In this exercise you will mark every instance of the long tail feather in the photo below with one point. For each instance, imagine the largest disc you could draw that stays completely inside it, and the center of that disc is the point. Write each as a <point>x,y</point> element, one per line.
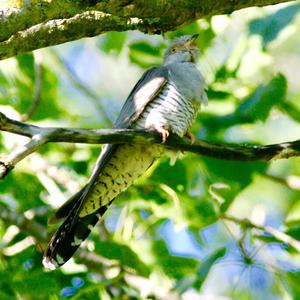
<point>65,209</point>
<point>69,236</point>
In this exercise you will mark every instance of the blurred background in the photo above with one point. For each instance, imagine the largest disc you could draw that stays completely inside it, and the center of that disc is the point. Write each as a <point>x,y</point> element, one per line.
<point>164,238</point>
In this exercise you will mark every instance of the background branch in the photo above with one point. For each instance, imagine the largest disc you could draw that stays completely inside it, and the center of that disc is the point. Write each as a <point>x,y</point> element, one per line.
<point>82,87</point>
<point>279,235</point>
<point>45,23</point>
<point>38,87</point>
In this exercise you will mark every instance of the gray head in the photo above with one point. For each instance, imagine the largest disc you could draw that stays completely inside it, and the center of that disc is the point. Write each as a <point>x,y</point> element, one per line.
<point>182,49</point>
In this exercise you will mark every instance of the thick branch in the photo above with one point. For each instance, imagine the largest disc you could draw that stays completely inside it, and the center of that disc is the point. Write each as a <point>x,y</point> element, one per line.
<point>41,135</point>
<point>45,23</point>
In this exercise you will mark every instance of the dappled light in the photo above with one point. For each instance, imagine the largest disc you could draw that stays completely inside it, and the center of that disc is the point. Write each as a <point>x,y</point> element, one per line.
<point>218,220</point>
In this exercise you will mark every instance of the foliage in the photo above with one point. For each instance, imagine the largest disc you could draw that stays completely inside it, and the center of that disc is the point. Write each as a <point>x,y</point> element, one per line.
<point>166,237</point>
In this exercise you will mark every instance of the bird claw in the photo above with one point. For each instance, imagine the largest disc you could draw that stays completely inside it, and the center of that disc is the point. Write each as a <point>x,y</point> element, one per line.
<point>164,134</point>
<point>191,137</point>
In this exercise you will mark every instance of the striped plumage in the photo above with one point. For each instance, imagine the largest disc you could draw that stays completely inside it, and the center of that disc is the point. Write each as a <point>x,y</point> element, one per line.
<point>167,99</point>
<point>169,110</point>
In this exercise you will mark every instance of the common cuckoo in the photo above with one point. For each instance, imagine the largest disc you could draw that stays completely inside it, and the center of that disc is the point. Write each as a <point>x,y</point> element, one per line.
<point>166,99</point>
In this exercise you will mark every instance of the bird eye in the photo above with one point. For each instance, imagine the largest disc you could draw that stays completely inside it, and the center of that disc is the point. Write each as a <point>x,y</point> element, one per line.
<point>173,50</point>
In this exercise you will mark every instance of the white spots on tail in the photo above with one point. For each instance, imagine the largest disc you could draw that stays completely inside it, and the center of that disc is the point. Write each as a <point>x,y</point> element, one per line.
<point>60,260</point>
<point>76,242</point>
<point>51,265</point>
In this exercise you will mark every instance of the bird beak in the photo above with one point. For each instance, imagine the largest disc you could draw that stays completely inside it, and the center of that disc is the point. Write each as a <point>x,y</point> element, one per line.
<point>192,42</point>
<point>194,36</point>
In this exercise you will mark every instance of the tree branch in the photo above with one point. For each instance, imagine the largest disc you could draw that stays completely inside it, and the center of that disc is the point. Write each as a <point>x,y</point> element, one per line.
<point>45,23</point>
<point>279,235</point>
<point>41,135</point>
<point>38,87</point>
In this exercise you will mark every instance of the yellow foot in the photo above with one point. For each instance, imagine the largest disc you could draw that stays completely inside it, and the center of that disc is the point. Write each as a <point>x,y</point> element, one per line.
<point>164,134</point>
<point>191,137</point>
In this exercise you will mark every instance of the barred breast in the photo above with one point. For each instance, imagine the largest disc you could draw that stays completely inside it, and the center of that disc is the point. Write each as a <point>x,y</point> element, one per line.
<point>169,110</point>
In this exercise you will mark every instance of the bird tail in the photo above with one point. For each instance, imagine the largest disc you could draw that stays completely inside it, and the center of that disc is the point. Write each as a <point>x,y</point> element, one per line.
<point>73,231</point>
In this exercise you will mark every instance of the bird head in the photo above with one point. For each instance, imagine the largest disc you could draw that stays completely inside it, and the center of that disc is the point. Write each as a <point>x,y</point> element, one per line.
<point>182,49</point>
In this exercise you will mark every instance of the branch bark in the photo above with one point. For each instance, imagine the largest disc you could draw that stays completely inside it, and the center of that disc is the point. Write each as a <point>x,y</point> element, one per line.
<point>41,135</point>
<point>45,23</point>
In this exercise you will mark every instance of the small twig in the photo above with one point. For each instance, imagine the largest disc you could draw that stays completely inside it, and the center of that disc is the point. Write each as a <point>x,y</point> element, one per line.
<point>279,235</point>
<point>38,83</point>
<point>291,182</point>
<point>241,244</point>
<point>15,156</point>
<point>104,231</point>
<point>67,69</point>
<point>17,127</point>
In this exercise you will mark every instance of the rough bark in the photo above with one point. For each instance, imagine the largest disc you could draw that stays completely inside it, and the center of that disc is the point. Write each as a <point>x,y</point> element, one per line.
<point>51,22</point>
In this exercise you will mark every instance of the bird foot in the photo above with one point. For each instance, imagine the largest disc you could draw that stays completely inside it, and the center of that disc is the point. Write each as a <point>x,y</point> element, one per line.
<point>191,137</point>
<point>164,134</point>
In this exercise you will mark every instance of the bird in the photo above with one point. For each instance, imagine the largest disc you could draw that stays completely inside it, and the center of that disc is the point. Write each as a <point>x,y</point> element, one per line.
<point>166,99</point>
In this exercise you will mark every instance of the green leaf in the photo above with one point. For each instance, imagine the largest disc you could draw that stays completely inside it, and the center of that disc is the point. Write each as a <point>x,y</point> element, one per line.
<point>122,253</point>
<point>235,174</point>
<point>293,216</point>
<point>291,109</point>
<point>197,211</point>
<point>269,27</point>
<point>255,107</point>
<point>113,42</point>
<point>189,29</point>
<point>259,104</point>
<point>294,232</point>
<point>223,73</point>
<point>26,64</point>
<point>293,279</point>
<point>206,266</point>
<point>32,283</point>
<point>213,94</point>
<point>173,176</point>
<point>25,188</point>
<point>50,105</point>
<point>144,54</point>
<point>37,285</point>
<point>174,266</point>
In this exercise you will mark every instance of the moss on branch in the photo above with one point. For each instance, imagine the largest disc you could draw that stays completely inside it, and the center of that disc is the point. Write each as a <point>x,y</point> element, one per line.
<point>50,22</point>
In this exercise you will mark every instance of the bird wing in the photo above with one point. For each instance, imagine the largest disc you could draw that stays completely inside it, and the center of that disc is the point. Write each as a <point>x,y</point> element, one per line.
<point>146,89</point>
